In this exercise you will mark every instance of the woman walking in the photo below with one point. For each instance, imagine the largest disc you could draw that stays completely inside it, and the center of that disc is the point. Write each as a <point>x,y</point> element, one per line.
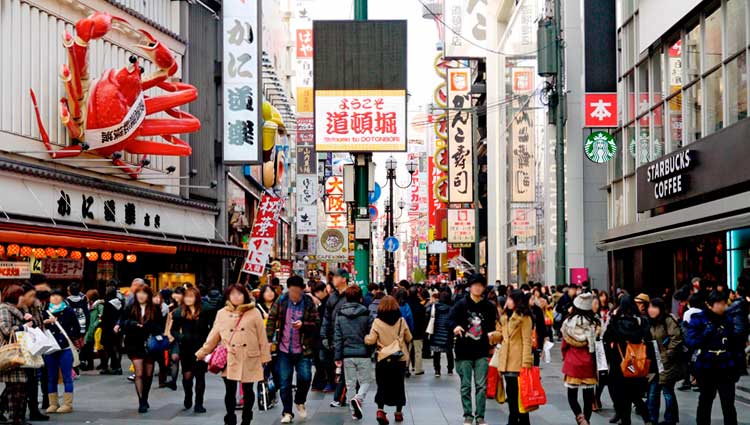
<point>12,320</point>
<point>62,321</point>
<point>111,314</point>
<point>143,320</point>
<point>390,334</point>
<point>441,336</point>
<point>515,335</point>
<point>239,327</point>
<point>580,330</point>
<point>666,332</point>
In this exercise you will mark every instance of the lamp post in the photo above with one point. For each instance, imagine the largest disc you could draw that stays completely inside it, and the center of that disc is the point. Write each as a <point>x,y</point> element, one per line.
<point>390,167</point>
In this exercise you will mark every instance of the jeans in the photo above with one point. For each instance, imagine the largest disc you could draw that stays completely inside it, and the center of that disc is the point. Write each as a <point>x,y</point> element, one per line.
<point>62,361</point>
<point>671,412</point>
<point>357,369</point>
<point>511,392</point>
<point>436,361</point>
<point>287,364</point>
<point>477,368</point>
<point>709,385</point>
<point>417,355</point>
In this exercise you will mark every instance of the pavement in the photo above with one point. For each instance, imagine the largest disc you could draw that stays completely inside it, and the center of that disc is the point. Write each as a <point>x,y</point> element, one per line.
<point>111,400</point>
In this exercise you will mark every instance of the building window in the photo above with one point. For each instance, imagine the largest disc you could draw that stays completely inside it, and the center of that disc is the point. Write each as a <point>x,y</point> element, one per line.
<point>692,53</point>
<point>618,157</point>
<point>713,40</point>
<point>737,89</point>
<point>714,102</point>
<point>693,128</point>
<point>674,111</point>
<point>631,149</point>
<point>736,26</point>
<point>657,145</point>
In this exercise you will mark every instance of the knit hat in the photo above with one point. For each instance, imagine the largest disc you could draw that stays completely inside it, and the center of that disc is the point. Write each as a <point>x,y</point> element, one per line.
<point>583,302</point>
<point>476,278</point>
<point>643,298</point>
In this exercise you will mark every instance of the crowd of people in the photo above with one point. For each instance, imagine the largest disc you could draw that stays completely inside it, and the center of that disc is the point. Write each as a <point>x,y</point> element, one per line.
<point>271,343</point>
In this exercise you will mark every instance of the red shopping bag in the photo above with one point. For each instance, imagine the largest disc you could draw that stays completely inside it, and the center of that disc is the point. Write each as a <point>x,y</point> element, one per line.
<point>492,377</point>
<point>530,388</point>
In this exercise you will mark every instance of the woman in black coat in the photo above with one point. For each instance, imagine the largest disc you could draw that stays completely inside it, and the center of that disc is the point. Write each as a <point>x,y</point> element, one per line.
<point>111,315</point>
<point>141,321</point>
<point>441,339</point>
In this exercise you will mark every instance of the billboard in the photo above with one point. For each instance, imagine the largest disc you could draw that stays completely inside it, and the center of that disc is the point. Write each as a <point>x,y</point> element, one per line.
<point>523,165</point>
<point>466,29</point>
<point>460,137</point>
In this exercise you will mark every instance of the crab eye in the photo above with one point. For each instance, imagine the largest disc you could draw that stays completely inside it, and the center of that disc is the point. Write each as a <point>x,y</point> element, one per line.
<point>132,59</point>
<point>141,70</point>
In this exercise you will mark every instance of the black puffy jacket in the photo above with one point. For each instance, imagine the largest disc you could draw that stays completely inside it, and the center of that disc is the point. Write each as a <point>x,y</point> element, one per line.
<point>442,336</point>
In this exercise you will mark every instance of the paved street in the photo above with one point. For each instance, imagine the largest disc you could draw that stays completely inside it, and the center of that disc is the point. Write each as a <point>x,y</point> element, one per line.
<point>431,401</point>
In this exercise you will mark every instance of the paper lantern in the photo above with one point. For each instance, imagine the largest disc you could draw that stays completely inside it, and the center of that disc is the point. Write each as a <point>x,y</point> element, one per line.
<point>13,249</point>
<point>119,256</point>
<point>51,252</point>
<point>25,251</point>
<point>131,258</point>
<point>61,252</point>
<point>75,255</point>
<point>2,250</point>
<point>92,255</point>
<point>39,253</point>
<point>106,256</point>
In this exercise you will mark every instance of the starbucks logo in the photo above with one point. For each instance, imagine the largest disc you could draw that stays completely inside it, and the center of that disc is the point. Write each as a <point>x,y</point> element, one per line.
<point>600,147</point>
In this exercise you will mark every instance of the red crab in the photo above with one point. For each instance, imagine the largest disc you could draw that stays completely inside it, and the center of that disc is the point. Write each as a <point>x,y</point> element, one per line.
<point>110,115</point>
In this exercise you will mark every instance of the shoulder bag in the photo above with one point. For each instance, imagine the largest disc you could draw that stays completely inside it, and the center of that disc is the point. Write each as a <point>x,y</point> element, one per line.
<point>431,324</point>
<point>73,349</point>
<point>393,350</point>
<point>11,354</point>
<point>218,361</point>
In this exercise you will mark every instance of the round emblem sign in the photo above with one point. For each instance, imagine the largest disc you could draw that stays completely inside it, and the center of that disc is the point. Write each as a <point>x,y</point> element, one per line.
<point>332,240</point>
<point>600,147</point>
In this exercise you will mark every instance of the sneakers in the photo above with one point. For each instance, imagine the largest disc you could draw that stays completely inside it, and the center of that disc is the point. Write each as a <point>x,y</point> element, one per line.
<point>131,378</point>
<point>399,416</point>
<point>468,420</point>
<point>301,412</point>
<point>382,418</point>
<point>287,418</point>
<point>329,388</point>
<point>336,403</point>
<point>481,421</point>
<point>437,374</point>
<point>356,408</point>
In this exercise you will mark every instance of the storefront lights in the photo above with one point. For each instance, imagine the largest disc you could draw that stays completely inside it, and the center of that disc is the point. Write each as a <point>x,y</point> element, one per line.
<point>92,255</point>
<point>132,258</point>
<point>2,250</point>
<point>13,249</point>
<point>119,256</point>
<point>25,251</point>
<point>106,256</point>
<point>75,255</point>
<point>50,252</point>
<point>39,253</point>
<point>61,252</point>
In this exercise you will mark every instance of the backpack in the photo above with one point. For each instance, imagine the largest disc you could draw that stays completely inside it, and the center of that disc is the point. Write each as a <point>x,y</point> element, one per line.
<point>80,313</point>
<point>635,362</point>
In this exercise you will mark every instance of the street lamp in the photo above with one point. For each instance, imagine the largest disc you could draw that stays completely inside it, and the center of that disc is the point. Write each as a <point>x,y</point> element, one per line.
<point>390,166</point>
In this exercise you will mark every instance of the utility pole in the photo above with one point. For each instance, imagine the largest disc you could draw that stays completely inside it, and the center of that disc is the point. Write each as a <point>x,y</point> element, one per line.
<point>560,263</point>
<point>361,185</point>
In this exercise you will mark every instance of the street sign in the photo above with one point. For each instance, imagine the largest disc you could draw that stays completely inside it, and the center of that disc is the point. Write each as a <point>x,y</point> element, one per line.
<point>373,212</point>
<point>391,244</point>
<point>600,147</point>
<point>374,194</point>
<point>601,110</point>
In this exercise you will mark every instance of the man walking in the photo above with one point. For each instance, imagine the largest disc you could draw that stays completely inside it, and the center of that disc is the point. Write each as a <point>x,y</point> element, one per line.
<point>333,305</point>
<point>294,318</point>
<point>472,319</point>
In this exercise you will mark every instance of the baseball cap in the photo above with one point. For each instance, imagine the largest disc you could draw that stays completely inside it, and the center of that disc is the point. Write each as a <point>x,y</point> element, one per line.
<point>342,273</point>
<point>643,298</point>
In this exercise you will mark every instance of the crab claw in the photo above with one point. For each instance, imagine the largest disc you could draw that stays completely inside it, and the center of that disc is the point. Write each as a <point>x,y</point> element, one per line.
<point>95,26</point>
<point>158,53</point>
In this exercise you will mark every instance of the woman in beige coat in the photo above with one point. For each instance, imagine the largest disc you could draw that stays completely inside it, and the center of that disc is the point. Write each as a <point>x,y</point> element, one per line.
<point>514,333</point>
<point>239,327</point>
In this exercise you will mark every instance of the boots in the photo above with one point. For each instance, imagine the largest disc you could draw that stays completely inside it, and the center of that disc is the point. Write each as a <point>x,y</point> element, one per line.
<point>67,404</point>
<point>199,401</point>
<point>581,420</point>
<point>187,384</point>
<point>53,407</point>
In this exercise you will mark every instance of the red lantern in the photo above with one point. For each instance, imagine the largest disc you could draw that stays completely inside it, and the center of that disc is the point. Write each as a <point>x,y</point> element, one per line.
<point>25,251</point>
<point>106,256</point>
<point>119,256</point>
<point>132,258</point>
<point>75,255</point>
<point>50,252</point>
<point>2,250</point>
<point>61,252</point>
<point>92,255</point>
<point>13,249</point>
<point>39,253</point>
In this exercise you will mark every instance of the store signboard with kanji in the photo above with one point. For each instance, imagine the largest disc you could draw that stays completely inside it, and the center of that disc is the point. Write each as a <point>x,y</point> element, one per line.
<point>58,268</point>
<point>600,110</point>
<point>522,155</point>
<point>460,137</point>
<point>461,225</point>
<point>263,235</point>
<point>304,43</point>
<point>466,34</point>
<point>15,270</point>
<point>240,81</point>
<point>360,87</point>
<point>307,211</point>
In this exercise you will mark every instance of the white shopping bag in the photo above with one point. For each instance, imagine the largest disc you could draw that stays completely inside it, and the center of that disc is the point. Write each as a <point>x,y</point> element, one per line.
<point>659,363</point>
<point>36,341</point>
<point>601,357</point>
<point>54,346</point>
<point>547,351</point>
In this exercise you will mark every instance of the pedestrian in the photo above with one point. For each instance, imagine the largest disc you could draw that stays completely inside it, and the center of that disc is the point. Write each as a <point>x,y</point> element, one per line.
<point>739,313</point>
<point>239,327</point>
<point>111,339</point>
<point>580,331</point>
<point>514,333</point>
<point>167,370</point>
<point>373,307</point>
<point>350,350</point>
<point>666,332</point>
<point>391,336</point>
<point>324,377</point>
<point>267,297</point>
<point>711,332</point>
<point>92,339</point>
<point>142,320</point>
<point>335,300</point>
<point>189,328</point>
<point>31,305</point>
<point>473,319</point>
<point>294,319</point>
<point>63,323</point>
<point>642,301</point>
<point>12,319</point>
<point>441,339</point>
<point>601,308</point>
<point>420,326</point>
<point>626,326</point>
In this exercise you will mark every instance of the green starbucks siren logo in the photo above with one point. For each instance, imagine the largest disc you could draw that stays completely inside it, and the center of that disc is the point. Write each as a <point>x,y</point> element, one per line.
<point>600,147</point>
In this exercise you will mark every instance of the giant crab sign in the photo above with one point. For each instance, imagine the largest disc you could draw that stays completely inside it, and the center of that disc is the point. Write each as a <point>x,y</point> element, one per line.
<point>111,114</point>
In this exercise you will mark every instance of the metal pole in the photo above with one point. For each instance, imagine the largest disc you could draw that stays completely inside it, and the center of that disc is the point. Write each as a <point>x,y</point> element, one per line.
<point>560,270</point>
<point>475,143</point>
<point>391,259</point>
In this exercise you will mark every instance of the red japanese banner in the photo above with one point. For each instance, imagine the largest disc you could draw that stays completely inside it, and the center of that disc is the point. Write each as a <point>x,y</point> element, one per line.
<point>436,176</point>
<point>304,43</point>
<point>263,235</point>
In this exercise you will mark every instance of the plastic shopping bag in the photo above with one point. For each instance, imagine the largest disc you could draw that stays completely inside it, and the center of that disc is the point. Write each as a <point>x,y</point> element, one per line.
<point>36,341</point>
<point>500,396</point>
<point>31,361</point>
<point>548,351</point>
<point>601,357</point>
<point>530,388</point>
<point>492,378</point>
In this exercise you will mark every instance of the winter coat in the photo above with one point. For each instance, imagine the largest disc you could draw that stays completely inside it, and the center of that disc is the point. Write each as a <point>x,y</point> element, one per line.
<point>668,337</point>
<point>738,313</point>
<point>248,350</point>
<point>514,334</point>
<point>578,352</point>
<point>310,323</point>
<point>621,330</point>
<point>478,320</point>
<point>111,315</point>
<point>80,306</point>
<point>190,334</point>
<point>137,336</point>
<point>407,315</point>
<point>330,312</point>
<point>352,325</point>
<point>418,316</point>
<point>382,335</point>
<point>68,320</point>
<point>442,336</point>
<point>714,337</point>
<point>95,317</point>
<point>11,320</point>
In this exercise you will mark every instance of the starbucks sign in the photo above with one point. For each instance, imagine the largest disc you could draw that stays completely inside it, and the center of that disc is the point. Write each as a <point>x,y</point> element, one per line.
<point>600,147</point>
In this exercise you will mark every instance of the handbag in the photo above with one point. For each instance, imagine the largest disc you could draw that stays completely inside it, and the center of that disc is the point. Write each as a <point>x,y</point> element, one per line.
<point>36,341</point>
<point>54,346</point>
<point>156,344</point>
<point>431,324</point>
<point>31,361</point>
<point>74,351</point>
<point>11,355</point>
<point>265,401</point>
<point>217,361</point>
<point>98,340</point>
<point>393,350</point>
<point>530,388</point>
<point>601,357</point>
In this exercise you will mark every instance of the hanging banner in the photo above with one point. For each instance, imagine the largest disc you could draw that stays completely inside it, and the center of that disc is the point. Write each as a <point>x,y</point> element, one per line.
<point>465,35</point>
<point>437,195</point>
<point>461,225</point>
<point>241,83</point>
<point>15,270</point>
<point>306,160</point>
<point>61,268</point>
<point>523,166</point>
<point>460,137</point>
<point>307,196</point>
<point>523,223</point>
<point>333,242</point>
<point>263,235</point>
<point>305,130</point>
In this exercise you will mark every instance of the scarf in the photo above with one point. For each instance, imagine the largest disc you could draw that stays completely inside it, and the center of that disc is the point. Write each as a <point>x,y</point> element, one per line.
<point>54,309</point>
<point>581,330</point>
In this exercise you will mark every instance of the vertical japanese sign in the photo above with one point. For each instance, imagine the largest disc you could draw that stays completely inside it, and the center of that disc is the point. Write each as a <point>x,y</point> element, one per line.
<point>523,165</point>
<point>304,57</point>
<point>241,82</point>
<point>307,211</point>
<point>460,137</point>
<point>305,131</point>
<point>437,197</point>
<point>335,207</point>
<point>263,235</point>
<point>461,225</point>
<point>466,36</point>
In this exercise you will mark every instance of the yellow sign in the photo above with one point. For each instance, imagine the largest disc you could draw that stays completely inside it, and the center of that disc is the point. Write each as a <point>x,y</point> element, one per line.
<point>304,99</point>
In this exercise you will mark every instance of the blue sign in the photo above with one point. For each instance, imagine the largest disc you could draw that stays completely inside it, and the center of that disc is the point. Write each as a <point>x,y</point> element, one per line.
<point>391,244</point>
<point>373,212</point>
<point>374,195</point>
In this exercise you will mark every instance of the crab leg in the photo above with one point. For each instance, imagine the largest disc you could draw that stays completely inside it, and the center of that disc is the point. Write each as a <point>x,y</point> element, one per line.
<point>68,152</point>
<point>125,167</point>
<point>73,126</point>
<point>178,147</point>
<point>179,97</point>
<point>161,126</point>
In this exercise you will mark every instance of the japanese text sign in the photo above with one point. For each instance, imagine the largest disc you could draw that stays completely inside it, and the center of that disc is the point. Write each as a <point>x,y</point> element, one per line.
<point>601,110</point>
<point>263,235</point>
<point>523,164</point>
<point>241,85</point>
<point>360,120</point>
<point>15,270</point>
<point>460,137</point>
<point>461,225</point>
<point>304,43</point>
<point>466,36</point>
<point>62,268</point>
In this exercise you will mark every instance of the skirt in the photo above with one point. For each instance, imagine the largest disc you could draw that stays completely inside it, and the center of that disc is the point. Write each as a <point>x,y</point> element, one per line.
<point>389,375</point>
